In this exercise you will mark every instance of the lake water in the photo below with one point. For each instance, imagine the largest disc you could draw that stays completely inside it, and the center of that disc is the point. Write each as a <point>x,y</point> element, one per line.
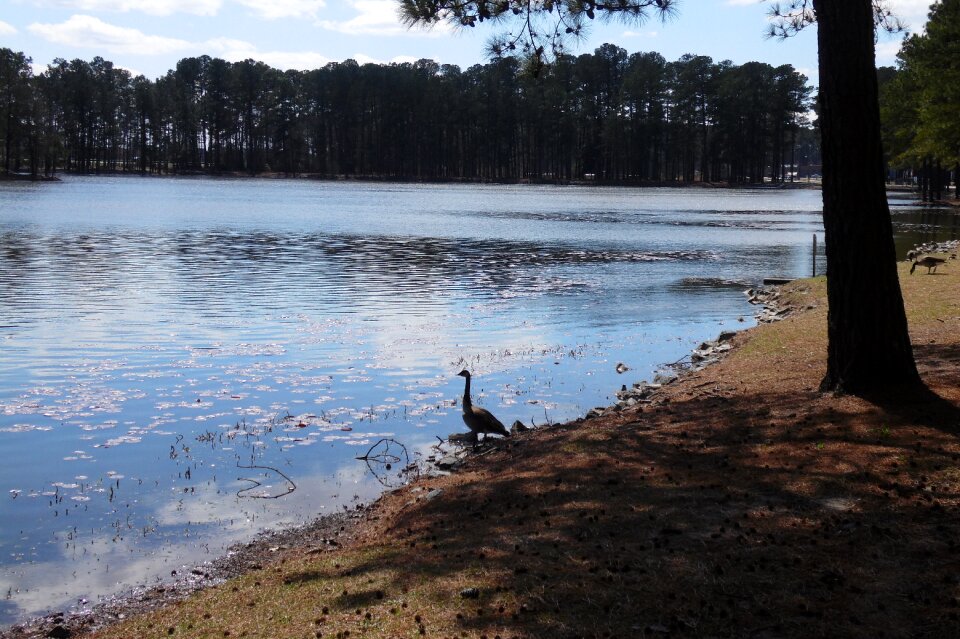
<point>168,345</point>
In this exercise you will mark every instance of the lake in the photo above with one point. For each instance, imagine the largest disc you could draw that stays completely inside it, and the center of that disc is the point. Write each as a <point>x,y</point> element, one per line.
<point>176,355</point>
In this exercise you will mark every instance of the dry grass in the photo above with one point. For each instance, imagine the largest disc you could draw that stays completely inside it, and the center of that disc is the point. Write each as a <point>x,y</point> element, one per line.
<point>743,503</point>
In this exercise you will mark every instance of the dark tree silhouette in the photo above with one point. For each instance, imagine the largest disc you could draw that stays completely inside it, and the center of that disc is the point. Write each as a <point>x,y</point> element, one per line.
<point>869,344</point>
<point>605,116</point>
<point>14,102</point>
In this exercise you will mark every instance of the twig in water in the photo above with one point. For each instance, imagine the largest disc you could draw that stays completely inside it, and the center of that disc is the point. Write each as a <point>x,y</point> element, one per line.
<point>240,493</point>
<point>681,359</point>
<point>381,463</point>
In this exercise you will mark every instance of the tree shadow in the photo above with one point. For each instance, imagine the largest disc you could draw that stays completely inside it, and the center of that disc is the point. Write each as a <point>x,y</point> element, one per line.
<point>763,515</point>
<point>920,403</point>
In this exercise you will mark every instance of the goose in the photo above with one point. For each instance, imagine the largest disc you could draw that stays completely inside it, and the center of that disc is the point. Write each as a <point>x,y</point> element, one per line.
<point>479,420</point>
<point>929,261</point>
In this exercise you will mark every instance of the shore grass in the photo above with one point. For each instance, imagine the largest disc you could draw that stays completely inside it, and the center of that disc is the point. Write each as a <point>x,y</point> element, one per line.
<point>741,503</point>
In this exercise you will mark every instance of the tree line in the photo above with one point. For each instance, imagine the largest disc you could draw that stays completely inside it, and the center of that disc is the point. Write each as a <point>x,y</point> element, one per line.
<point>920,103</point>
<point>607,115</point>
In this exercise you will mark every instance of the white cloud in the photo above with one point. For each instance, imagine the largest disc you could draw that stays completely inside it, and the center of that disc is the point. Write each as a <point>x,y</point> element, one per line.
<point>377,17</point>
<point>912,12</point>
<point>363,58</point>
<point>6,29</point>
<point>133,72</point>
<point>275,9</point>
<point>93,33</point>
<point>151,7</point>
<point>887,52</point>
<point>640,34</point>
<point>236,50</point>
<point>89,32</point>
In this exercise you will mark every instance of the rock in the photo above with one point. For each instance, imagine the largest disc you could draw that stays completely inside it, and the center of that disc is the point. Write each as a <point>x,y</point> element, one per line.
<point>726,336</point>
<point>622,368</point>
<point>462,438</point>
<point>470,593</point>
<point>518,427</point>
<point>595,412</point>
<point>59,632</point>
<point>433,494</point>
<point>449,461</point>
<point>665,378</point>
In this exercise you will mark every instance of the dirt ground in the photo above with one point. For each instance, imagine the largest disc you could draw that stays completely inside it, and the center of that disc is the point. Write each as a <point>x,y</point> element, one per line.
<point>739,502</point>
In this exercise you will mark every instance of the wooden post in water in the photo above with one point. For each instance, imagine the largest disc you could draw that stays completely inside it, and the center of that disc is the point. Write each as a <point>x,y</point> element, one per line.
<point>814,255</point>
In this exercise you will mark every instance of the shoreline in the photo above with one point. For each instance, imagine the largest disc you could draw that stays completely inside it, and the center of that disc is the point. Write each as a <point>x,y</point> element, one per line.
<point>322,177</point>
<point>740,502</point>
<point>334,530</point>
<point>847,462</point>
<point>327,532</point>
<point>799,184</point>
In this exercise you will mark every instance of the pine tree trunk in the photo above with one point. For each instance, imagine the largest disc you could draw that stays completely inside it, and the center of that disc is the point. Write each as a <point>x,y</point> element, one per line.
<point>868,344</point>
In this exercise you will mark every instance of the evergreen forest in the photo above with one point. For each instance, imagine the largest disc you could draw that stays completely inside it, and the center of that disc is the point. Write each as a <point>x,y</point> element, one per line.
<point>606,116</point>
<point>920,103</point>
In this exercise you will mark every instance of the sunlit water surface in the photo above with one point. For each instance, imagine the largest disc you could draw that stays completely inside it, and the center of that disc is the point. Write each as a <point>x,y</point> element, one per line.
<point>157,336</point>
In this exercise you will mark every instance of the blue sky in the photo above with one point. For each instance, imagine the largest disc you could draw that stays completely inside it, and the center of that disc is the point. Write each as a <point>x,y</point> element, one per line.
<point>149,36</point>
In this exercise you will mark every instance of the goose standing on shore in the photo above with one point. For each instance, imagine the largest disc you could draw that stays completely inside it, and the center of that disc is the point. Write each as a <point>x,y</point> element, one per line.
<point>930,262</point>
<point>479,420</point>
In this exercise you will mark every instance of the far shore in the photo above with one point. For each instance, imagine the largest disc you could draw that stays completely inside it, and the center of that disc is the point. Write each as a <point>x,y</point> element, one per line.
<point>799,183</point>
<point>802,183</point>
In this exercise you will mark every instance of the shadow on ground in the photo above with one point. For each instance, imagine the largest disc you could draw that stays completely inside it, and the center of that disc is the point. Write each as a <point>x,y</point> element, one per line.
<point>755,516</point>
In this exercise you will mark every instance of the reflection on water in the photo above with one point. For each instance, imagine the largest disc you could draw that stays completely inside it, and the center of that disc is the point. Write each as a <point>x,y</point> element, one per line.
<point>173,350</point>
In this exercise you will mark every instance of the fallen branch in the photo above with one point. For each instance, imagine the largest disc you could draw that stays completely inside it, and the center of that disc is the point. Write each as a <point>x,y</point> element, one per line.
<point>256,484</point>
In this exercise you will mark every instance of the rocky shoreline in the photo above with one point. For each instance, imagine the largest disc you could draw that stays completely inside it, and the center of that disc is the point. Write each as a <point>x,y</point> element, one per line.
<point>773,308</point>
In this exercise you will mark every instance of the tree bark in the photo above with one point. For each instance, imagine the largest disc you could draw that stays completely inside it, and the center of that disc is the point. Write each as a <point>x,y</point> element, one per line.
<point>869,346</point>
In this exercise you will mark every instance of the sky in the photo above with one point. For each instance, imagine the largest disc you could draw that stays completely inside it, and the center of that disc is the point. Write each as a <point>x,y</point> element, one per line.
<point>149,36</point>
